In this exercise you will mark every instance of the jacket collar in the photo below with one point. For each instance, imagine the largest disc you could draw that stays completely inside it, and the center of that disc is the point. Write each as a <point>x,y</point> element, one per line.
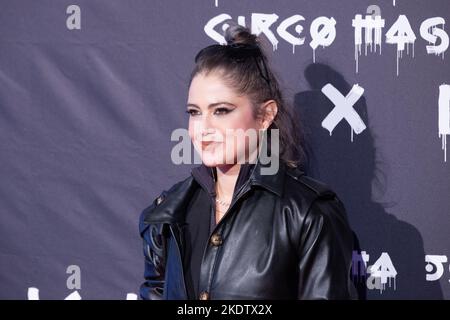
<point>206,177</point>
<point>175,200</point>
<point>272,182</point>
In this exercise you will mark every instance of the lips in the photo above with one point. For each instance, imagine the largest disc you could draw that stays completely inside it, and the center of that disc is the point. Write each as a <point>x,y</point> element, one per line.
<point>205,144</point>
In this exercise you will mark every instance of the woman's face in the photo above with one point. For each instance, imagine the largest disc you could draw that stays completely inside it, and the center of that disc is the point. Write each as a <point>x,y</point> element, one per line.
<point>216,113</point>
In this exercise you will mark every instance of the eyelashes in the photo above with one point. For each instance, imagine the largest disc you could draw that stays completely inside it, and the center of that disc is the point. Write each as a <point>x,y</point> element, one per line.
<point>192,112</point>
<point>218,111</point>
<point>222,111</point>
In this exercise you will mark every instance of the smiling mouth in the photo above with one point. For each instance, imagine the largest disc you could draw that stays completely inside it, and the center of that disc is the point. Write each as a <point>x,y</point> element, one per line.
<point>207,143</point>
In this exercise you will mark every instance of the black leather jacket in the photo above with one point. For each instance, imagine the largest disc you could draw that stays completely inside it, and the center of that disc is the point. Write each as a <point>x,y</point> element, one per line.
<point>285,236</point>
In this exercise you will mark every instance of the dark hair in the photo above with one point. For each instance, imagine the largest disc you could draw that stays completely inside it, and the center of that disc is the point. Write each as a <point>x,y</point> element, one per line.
<point>245,68</point>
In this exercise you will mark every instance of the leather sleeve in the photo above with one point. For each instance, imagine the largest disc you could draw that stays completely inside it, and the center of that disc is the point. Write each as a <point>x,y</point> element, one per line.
<point>154,249</point>
<point>325,252</point>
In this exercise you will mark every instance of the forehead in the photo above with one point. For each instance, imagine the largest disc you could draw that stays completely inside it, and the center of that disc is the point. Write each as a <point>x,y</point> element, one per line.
<point>211,87</point>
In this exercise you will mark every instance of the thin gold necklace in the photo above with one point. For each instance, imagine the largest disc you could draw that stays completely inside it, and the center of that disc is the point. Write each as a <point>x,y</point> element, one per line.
<point>221,202</point>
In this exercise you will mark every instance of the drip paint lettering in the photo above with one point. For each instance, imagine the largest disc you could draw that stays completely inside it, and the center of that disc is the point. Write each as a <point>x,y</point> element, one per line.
<point>382,272</point>
<point>444,116</point>
<point>322,29</point>
<point>322,32</point>
<point>435,263</point>
<point>400,34</point>
<point>343,109</point>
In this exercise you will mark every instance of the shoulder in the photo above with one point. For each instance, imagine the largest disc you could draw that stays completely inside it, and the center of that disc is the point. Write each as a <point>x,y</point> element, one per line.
<point>167,197</point>
<point>298,184</point>
<point>174,189</point>
<point>314,210</point>
<point>316,200</point>
<point>168,192</point>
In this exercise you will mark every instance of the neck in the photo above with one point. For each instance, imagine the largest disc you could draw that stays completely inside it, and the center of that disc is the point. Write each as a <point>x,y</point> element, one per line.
<point>226,180</point>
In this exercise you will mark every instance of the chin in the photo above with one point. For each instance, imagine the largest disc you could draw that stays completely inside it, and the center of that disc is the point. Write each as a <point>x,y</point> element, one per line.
<point>215,160</point>
<point>210,159</point>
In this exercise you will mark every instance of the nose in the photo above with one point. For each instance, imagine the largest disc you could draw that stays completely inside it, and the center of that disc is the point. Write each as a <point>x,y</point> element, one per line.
<point>206,131</point>
<point>203,127</point>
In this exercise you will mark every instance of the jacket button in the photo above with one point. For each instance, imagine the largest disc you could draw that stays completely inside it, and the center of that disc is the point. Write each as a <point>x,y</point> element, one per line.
<point>159,200</point>
<point>204,295</point>
<point>216,240</point>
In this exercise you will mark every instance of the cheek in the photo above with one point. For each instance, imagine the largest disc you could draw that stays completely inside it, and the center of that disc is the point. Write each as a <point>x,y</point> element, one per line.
<point>242,120</point>
<point>237,142</point>
<point>193,130</point>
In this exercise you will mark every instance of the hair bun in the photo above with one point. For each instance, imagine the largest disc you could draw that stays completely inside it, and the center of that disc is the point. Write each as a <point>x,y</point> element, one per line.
<point>236,33</point>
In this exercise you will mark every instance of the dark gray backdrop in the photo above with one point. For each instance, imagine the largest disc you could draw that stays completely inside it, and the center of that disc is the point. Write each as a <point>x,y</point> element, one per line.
<point>86,117</point>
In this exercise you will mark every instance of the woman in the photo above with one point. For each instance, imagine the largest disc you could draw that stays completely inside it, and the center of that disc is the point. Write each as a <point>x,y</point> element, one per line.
<point>231,231</point>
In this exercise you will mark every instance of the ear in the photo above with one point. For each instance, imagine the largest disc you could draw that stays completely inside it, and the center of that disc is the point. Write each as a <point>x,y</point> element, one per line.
<point>269,111</point>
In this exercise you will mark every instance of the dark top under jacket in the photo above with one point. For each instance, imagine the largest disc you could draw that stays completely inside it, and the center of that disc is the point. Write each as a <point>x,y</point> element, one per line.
<point>201,221</point>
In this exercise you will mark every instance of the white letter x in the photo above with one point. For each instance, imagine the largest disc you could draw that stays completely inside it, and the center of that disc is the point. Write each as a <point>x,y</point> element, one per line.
<point>343,108</point>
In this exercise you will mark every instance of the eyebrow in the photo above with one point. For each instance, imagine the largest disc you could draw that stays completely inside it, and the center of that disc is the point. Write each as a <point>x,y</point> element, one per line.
<point>212,105</point>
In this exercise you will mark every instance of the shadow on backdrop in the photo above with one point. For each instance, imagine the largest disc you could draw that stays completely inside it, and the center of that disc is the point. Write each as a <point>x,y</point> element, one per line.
<point>350,168</point>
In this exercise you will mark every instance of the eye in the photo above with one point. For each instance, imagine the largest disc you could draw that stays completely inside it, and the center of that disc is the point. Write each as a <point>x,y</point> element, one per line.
<point>222,111</point>
<point>192,112</point>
